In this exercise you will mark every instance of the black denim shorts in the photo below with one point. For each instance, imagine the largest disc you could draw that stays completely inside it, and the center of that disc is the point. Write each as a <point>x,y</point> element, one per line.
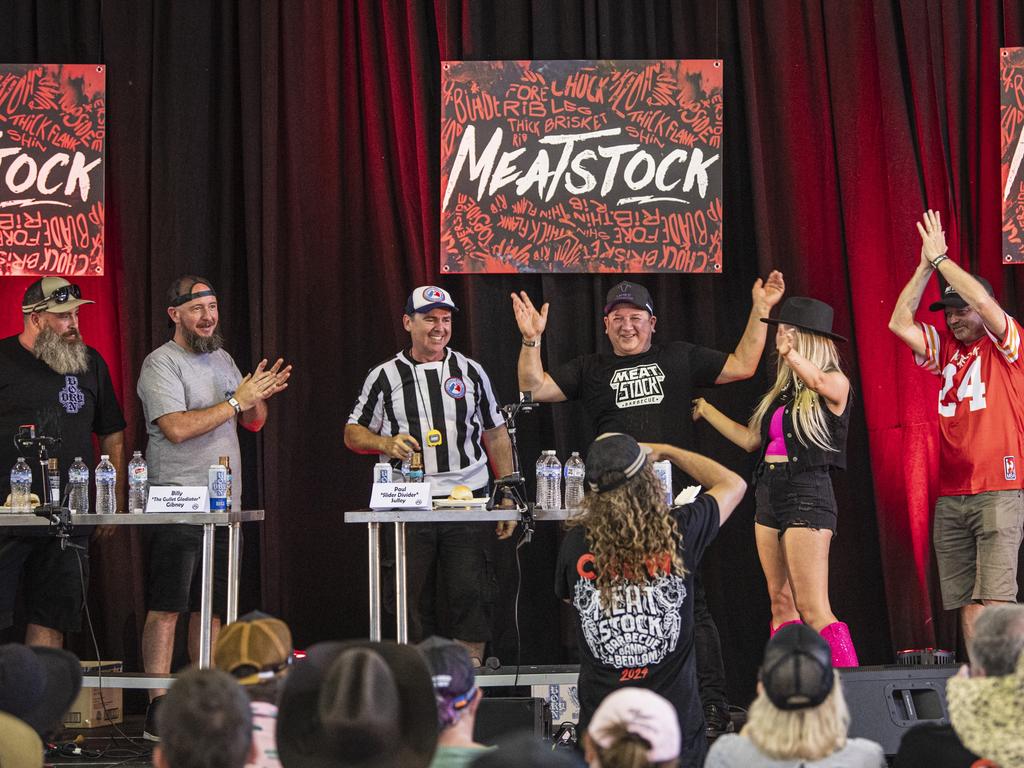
<point>174,582</point>
<point>788,499</point>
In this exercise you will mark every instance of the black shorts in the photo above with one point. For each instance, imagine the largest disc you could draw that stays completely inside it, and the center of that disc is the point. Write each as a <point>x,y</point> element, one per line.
<point>451,579</point>
<point>50,581</point>
<point>788,499</point>
<point>175,569</point>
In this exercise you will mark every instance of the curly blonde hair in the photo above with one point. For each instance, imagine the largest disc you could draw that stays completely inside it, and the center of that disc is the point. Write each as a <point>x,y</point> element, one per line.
<point>632,534</point>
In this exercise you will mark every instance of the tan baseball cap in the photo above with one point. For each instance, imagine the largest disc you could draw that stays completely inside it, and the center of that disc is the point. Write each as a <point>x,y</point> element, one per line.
<point>52,294</point>
<point>254,649</point>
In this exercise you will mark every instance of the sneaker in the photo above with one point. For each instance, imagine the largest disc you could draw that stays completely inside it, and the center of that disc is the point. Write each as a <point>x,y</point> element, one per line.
<point>150,731</point>
<point>717,720</point>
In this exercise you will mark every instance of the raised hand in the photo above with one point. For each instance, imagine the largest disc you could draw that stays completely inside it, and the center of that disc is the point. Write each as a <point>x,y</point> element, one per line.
<point>769,292</point>
<point>785,339</point>
<point>699,409</point>
<point>531,322</point>
<point>933,239</point>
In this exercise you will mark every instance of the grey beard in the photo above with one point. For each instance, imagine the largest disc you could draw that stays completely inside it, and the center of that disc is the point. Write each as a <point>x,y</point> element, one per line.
<point>62,355</point>
<point>202,345</point>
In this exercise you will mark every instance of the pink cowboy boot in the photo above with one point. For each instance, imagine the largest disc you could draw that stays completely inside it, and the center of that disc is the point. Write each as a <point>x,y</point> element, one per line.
<point>837,635</point>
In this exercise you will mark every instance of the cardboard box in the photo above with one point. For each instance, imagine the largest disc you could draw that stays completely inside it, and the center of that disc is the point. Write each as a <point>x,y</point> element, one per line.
<point>87,709</point>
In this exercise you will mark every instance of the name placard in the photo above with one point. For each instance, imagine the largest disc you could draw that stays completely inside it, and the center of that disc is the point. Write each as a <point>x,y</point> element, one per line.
<point>183,498</point>
<point>400,496</point>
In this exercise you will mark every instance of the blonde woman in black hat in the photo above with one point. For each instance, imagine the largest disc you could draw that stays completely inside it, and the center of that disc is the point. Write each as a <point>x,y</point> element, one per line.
<point>800,427</point>
<point>799,718</point>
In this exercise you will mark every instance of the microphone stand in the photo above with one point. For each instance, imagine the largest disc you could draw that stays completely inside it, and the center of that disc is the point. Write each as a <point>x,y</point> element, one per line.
<point>51,509</point>
<point>513,485</point>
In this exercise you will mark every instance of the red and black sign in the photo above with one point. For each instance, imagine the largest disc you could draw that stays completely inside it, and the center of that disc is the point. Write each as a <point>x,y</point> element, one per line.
<point>1011,139</point>
<point>52,131</point>
<point>581,166</point>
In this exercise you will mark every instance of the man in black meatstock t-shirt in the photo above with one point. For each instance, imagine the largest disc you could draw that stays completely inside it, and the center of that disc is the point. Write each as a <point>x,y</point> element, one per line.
<point>50,378</point>
<point>644,389</point>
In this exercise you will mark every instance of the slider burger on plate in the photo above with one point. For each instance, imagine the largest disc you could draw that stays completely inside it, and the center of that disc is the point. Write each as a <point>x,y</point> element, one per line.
<point>461,493</point>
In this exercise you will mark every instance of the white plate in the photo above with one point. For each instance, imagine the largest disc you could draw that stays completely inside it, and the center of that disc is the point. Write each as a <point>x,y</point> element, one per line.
<point>480,503</point>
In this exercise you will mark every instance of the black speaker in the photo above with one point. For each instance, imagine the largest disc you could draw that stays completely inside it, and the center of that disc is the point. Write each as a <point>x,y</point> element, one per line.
<point>499,716</point>
<point>885,701</point>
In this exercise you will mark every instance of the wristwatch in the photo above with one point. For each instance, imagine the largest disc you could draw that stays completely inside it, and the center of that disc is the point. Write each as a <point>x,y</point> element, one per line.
<point>235,404</point>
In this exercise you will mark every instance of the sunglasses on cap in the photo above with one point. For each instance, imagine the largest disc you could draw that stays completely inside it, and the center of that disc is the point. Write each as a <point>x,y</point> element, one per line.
<point>61,295</point>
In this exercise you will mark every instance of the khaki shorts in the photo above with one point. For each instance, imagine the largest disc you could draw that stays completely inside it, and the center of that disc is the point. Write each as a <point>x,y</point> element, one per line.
<point>976,542</point>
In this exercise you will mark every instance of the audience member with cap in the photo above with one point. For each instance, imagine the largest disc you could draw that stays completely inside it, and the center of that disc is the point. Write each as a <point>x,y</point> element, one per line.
<point>643,389</point>
<point>50,378</point>
<point>986,702</point>
<point>38,685</point>
<point>458,698</point>
<point>431,399</point>
<point>358,704</point>
<point>257,650</point>
<point>626,565</point>
<point>204,722</point>
<point>194,398</point>
<point>799,718</point>
<point>799,427</point>
<point>633,728</point>
<point>979,514</point>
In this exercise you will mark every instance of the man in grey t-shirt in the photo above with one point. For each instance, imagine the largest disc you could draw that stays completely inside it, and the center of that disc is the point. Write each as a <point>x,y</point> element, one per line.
<point>192,394</point>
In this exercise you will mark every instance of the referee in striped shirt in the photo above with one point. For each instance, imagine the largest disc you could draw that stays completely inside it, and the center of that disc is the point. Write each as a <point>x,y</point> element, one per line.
<point>433,399</point>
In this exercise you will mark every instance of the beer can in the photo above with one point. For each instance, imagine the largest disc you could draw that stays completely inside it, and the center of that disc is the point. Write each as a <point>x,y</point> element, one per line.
<point>663,470</point>
<point>382,472</point>
<point>218,488</point>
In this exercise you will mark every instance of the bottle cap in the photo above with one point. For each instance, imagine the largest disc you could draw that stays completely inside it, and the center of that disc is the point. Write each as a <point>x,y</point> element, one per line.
<point>104,456</point>
<point>78,458</point>
<point>21,458</point>
<point>137,453</point>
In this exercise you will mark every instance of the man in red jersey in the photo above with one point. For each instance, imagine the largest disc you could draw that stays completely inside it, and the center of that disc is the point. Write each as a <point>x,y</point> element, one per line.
<point>979,515</point>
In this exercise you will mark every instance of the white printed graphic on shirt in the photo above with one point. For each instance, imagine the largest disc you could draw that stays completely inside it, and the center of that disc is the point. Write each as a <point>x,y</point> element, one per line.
<point>642,625</point>
<point>639,385</point>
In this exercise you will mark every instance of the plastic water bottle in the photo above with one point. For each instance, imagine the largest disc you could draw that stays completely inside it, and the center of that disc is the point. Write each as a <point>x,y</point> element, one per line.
<point>575,471</point>
<point>106,479</point>
<point>78,486</point>
<point>549,481</point>
<point>138,483</point>
<point>21,487</point>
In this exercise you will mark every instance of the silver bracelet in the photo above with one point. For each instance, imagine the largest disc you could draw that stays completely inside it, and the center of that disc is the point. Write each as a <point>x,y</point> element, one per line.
<point>938,260</point>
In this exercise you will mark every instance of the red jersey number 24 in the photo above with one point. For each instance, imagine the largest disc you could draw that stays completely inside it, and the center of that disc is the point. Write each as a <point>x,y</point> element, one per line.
<point>971,388</point>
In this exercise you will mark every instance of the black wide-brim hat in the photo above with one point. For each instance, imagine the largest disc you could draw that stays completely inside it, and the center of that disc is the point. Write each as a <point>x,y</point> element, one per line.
<point>358,704</point>
<point>38,685</point>
<point>806,314</point>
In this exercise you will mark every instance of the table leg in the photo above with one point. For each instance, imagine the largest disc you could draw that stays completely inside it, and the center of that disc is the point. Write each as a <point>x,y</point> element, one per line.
<point>206,603</point>
<point>374,553</point>
<point>401,606</point>
<point>234,569</point>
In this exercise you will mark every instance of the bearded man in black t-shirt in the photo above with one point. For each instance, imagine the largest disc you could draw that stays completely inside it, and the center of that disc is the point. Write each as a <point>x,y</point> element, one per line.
<point>50,378</point>
<point>644,389</point>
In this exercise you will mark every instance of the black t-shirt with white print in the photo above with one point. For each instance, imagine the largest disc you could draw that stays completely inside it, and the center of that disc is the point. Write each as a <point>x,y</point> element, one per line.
<point>647,395</point>
<point>645,637</point>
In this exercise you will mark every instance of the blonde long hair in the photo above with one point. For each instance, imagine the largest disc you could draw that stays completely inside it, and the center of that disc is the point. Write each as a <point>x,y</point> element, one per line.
<point>809,418</point>
<point>631,532</point>
<point>801,734</point>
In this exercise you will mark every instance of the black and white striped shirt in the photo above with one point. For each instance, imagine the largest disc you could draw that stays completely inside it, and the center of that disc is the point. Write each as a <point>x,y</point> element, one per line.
<point>453,395</point>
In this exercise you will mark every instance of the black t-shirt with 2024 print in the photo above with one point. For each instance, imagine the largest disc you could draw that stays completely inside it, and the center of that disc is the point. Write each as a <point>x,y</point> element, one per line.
<point>645,636</point>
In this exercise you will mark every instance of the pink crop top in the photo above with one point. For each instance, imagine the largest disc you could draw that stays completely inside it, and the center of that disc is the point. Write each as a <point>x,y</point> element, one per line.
<point>776,443</point>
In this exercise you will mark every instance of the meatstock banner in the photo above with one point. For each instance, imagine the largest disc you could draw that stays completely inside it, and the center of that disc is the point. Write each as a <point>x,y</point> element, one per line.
<point>1011,139</point>
<point>52,129</point>
<point>581,166</point>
